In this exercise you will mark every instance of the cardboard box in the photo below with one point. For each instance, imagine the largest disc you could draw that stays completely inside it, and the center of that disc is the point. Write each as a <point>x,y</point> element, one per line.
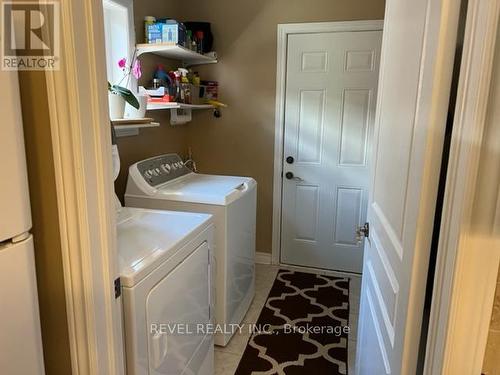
<point>154,33</point>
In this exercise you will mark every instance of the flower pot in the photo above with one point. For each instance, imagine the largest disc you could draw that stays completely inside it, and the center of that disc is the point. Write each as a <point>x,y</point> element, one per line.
<point>132,113</point>
<point>116,106</point>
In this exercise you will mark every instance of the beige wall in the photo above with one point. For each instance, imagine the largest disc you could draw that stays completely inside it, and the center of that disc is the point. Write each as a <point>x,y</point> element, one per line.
<point>242,141</point>
<point>48,258</point>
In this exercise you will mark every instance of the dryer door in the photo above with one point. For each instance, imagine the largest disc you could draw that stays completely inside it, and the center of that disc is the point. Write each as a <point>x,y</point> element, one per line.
<point>178,314</point>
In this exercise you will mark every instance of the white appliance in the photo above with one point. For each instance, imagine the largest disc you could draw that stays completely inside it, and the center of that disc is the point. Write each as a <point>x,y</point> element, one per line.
<point>165,263</point>
<point>164,182</point>
<point>20,336</point>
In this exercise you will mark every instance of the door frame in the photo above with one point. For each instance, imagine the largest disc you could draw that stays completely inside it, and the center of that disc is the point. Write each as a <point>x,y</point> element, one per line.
<point>279,124</point>
<point>464,283</point>
<point>81,142</point>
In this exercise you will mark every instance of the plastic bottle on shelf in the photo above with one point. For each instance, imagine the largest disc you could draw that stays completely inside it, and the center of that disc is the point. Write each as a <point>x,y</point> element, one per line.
<point>199,41</point>
<point>148,20</point>
<point>189,39</point>
<point>177,94</point>
<point>161,74</point>
<point>196,79</point>
<point>185,86</point>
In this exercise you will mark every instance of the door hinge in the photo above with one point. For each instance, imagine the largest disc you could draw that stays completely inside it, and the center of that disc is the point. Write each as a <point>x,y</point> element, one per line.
<point>118,288</point>
<point>362,231</point>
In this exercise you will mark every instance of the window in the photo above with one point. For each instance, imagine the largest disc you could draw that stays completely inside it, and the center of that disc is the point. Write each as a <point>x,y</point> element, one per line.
<point>119,36</point>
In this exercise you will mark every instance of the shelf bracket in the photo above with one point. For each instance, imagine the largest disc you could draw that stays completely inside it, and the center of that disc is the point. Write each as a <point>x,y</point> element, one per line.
<point>180,116</point>
<point>124,132</point>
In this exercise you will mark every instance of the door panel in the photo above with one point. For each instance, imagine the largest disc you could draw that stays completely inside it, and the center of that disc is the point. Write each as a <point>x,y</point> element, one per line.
<point>348,214</point>
<point>306,212</point>
<point>377,361</point>
<point>406,162</point>
<point>354,127</point>
<point>310,133</point>
<point>329,111</point>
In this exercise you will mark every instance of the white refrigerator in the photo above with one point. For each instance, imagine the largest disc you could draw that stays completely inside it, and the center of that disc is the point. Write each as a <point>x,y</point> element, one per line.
<point>20,337</point>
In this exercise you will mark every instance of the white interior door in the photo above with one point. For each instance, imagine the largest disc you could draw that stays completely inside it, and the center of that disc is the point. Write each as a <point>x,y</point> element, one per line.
<point>415,80</point>
<point>331,87</point>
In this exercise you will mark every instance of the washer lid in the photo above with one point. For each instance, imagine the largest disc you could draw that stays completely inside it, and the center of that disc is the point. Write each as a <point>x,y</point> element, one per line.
<point>207,189</point>
<point>146,238</point>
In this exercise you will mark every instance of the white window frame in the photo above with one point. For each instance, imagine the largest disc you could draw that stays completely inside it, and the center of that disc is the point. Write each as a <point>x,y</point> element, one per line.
<point>128,6</point>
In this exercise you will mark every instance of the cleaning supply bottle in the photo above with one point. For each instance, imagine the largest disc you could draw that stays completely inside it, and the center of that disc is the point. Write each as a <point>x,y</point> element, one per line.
<point>148,20</point>
<point>161,74</point>
<point>161,78</point>
<point>185,86</point>
<point>189,39</point>
<point>196,79</point>
<point>199,40</point>
<point>178,94</point>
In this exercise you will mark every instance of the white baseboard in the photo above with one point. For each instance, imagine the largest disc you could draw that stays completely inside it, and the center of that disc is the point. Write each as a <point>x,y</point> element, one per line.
<point>262,258</point>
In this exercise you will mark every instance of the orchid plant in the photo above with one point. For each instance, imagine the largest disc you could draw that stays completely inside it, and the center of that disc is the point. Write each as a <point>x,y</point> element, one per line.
<point>134,69</point>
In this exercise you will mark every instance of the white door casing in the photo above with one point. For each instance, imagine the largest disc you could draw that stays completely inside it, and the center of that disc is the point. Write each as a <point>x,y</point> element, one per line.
<point>331,84</point>
<point>415,78</point>
<point>81,143</point>
<point>469,243</point>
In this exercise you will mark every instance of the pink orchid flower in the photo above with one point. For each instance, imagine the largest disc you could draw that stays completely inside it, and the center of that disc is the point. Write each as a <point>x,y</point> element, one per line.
<point>136,69</point>
<point>122,63</point>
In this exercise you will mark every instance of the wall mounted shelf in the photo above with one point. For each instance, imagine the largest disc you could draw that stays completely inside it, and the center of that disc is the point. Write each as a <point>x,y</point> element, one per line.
<point>180,113</point>
<point>159,106</point>
<point>127,127</point>
<point>175,52</point>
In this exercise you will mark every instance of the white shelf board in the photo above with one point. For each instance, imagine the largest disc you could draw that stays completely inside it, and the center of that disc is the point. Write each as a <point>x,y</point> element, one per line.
<point>159,106</point>
<point>137,126</point>
<point>175,52</point>
<point>133,129</point>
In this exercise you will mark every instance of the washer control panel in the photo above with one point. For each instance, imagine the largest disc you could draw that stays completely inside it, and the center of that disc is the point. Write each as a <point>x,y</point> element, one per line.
<point>161,169</point>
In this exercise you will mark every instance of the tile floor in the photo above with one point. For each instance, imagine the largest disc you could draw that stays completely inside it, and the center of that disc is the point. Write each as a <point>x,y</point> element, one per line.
<point>227,358</point>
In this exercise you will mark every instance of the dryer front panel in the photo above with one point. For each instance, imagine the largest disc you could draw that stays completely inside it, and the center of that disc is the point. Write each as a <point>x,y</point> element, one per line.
<point>178,314</point>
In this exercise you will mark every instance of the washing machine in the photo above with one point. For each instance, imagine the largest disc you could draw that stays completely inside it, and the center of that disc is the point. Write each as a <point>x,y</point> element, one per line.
<point>164,182</point>
<point>165,261</point>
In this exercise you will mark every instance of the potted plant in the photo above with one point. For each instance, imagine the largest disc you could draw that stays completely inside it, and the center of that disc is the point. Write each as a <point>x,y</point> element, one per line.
<point>120,95</point>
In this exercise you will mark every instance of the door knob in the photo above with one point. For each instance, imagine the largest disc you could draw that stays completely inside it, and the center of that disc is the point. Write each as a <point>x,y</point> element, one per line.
<point>290,159</point>
<point>362,231</point>
<point>290,176</point>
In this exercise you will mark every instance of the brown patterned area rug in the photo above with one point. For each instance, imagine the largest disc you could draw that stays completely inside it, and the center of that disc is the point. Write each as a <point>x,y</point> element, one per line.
<point>302,329</point>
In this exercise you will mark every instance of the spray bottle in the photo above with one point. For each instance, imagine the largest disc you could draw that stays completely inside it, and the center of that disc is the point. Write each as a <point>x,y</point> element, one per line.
<point>175,76</point>
<point>185,86</point>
